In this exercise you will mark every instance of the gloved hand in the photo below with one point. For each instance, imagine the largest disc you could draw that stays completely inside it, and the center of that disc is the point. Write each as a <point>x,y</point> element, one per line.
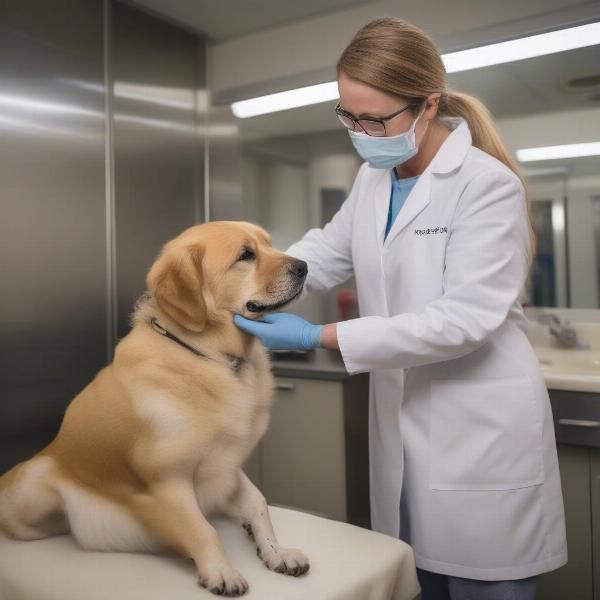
<point>282,331</point>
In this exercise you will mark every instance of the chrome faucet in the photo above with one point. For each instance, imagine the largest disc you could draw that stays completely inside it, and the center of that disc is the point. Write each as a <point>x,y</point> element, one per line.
<point>565,334</point>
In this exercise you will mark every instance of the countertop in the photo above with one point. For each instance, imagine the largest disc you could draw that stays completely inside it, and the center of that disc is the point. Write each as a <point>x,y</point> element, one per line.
<point>319,363</point>
<point>325,364</point>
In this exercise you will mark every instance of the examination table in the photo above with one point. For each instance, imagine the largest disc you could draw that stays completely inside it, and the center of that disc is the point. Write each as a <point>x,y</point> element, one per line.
<point>346,563</point>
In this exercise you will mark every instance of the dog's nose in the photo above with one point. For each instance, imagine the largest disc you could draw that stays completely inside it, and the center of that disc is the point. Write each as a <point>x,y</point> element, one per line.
<point>298,268</point>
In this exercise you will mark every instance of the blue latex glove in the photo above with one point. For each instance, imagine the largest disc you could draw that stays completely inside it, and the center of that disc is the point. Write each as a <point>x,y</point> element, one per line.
<point>282,331</point>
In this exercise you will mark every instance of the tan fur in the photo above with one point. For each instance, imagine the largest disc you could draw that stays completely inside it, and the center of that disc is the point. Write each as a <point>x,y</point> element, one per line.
<point>156,441</point>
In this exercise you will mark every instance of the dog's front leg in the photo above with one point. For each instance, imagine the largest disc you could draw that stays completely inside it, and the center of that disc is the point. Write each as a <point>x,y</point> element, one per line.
<point>249,507</point>
<point>169,508</point>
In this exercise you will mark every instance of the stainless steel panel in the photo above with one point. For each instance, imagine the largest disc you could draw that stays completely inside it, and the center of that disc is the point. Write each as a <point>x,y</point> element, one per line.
<point>224,176</point>
<point>52,224</point>
<point>61,154</point>
<point>159,74</point>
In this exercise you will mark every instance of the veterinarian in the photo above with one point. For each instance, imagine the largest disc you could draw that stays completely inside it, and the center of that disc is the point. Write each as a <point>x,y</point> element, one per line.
<point>436,230</point>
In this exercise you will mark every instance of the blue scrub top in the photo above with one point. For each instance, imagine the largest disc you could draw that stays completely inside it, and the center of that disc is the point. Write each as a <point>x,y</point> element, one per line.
<point>400,190</point>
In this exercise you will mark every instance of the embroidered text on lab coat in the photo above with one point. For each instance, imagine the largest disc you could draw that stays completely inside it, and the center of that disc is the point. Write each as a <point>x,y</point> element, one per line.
<point>430,230</point>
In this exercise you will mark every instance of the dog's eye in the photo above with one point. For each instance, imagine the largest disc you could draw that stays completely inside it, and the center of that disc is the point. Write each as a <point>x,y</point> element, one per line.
<point>247,254</point>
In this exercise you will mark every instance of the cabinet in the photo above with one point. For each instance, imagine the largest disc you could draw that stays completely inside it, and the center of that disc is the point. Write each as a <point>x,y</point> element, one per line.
<point>314,455</point>
<point>574,580</point>
<point>595,498</point>
<point>576,415</point>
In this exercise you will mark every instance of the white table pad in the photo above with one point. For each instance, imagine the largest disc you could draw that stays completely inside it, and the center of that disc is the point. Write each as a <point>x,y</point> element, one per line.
<point>346,563</point>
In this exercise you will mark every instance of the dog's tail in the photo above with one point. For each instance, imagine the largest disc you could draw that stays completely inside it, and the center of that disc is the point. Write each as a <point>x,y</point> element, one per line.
<point>24,500</point>
<point>8,477</point>
<point>6,481</point>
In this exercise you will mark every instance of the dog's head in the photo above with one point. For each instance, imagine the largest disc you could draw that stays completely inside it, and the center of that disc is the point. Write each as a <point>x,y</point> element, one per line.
<point>223,267</point>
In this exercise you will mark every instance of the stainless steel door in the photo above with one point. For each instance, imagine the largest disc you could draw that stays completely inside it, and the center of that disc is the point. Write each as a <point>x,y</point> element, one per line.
<point>53,302</point>
<point>158,72</point>
<point>62,138</point>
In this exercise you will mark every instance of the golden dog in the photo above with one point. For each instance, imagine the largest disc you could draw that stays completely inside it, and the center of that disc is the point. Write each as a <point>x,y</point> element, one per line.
<point>156,441</point>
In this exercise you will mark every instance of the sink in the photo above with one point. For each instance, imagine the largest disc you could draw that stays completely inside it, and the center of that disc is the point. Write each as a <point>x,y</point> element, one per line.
<point>575,370</point>
<point>568,368</point>
<point>585,362</point>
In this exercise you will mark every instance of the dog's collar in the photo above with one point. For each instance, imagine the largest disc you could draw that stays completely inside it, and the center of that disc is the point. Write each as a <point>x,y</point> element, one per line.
<point>235,362</point>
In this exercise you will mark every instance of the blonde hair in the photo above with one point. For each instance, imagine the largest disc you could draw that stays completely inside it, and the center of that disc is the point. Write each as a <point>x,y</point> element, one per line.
<point>399,58</point>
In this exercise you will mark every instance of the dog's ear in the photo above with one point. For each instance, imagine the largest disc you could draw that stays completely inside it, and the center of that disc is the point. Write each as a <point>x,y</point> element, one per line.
<point>176,281</point>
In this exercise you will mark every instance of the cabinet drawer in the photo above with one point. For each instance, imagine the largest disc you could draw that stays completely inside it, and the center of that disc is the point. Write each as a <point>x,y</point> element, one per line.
<point>303,451</point>
<point>576,417</point>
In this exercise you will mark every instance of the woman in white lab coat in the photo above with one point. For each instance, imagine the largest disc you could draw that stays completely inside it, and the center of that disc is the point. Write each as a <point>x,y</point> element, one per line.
<point>463,461</point>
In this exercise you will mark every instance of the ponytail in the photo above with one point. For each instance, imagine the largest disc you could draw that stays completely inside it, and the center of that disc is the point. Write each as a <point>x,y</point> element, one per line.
<point>485,137</point>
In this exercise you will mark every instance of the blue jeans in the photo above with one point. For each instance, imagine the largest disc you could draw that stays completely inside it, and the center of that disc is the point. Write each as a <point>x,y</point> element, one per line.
<point>447,587</point>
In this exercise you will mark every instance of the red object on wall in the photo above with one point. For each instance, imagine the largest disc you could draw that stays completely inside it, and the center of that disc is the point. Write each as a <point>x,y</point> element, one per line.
<point>346,299</point>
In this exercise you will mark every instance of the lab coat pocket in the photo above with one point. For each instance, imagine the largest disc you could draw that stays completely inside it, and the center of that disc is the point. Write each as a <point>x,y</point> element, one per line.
<point>485,434</point>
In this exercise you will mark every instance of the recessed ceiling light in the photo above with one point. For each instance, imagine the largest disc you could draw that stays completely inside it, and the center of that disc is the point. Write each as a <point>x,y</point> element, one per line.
<point>544,171</point>
<point>522,48</point>
<point>312,94</point>
<point>562,151</point>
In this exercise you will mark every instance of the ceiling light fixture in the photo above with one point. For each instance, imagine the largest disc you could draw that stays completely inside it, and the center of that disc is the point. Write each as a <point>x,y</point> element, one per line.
<point>464,60</point>
<point>562,151</point>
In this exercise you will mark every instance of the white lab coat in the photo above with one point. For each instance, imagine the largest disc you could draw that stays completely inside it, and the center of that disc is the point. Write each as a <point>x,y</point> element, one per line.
<point>458,407</point>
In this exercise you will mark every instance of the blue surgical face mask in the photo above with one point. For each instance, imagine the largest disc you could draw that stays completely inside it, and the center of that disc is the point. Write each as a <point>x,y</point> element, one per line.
<point>385,152</point>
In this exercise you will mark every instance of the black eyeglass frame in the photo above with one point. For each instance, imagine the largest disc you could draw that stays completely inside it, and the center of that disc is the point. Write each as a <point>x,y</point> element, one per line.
<point>340,112</point>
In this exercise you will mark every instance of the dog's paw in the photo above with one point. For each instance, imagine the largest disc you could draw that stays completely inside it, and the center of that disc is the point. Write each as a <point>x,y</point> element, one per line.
<point>223,580</point>
<point>288,561</point>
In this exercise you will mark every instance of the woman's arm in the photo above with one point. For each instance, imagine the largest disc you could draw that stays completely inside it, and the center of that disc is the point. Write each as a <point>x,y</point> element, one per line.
<point>486,267</point>
<point>329,337</point>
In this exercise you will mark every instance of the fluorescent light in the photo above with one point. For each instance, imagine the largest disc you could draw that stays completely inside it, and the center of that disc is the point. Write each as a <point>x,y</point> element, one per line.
<point>544,171</point>
<point>464,60</point>
<point>303,96</point>
<point>558,217</point>
<point>528,47</point>
<point>562,151</point>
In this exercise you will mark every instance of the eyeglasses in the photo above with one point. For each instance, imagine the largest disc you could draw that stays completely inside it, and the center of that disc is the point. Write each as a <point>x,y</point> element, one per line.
<point>374,127</point>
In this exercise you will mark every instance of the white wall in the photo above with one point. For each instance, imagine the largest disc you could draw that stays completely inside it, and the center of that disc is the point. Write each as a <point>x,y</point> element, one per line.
<point>550,129</point>
<point>582,253</point>
<point>285,203</point>
<point>285,198</point>
<point>329,171</point>
<point>306,51</point>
